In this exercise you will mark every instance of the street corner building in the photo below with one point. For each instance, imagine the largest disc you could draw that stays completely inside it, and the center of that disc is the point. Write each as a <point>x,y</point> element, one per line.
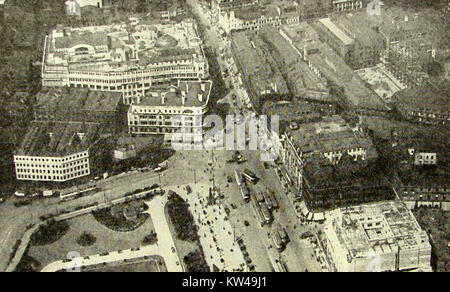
<point>171,109</point>
<point>55,151</point>
<point>121,59</point>
<point>377,237</point>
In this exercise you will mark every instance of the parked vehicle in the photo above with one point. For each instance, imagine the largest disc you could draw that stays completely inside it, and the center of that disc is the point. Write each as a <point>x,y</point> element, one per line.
<point>19,194</point>
<point>47,193</point>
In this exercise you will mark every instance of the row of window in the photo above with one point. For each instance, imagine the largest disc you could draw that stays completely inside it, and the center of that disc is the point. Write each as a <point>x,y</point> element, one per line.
<point>50,177</point>
<point>85,160</point>
<point>64,171</point>
<point>38,159</point>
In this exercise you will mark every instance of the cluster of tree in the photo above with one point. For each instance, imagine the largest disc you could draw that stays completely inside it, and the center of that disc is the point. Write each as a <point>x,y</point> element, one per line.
<point>182,219</point>
<point>195,262</point>
<point>86,239</point>
<point>49,233</point>
<point>437,224</point>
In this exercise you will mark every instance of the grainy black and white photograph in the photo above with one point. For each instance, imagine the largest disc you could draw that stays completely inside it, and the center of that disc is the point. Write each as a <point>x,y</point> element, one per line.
<point>252,136</point>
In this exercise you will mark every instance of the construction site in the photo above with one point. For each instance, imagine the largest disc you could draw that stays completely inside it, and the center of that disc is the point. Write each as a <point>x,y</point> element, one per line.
<point>377,237</point>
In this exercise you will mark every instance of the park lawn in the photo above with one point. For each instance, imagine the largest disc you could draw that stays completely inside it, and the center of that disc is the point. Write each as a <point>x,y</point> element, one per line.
<point>106,240</point>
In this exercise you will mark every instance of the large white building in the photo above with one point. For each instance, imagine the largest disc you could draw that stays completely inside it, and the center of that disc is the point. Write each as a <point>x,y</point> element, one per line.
<point>55,152</point>
<point>171,109</point>
<point>121,58</point>
<point>376,238</point>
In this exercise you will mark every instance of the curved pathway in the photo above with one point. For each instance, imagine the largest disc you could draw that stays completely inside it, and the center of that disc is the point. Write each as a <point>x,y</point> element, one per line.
<point>163,248</point>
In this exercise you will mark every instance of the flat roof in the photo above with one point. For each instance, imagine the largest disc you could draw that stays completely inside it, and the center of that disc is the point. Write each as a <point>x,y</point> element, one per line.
<point>330,134</point>
<point>342,36</point>
<point>77,99</point>
<point>57,139</point>
<point>79,37</point>
<point>124,48</point>
<point>380,227</point>
<point>173,95</point>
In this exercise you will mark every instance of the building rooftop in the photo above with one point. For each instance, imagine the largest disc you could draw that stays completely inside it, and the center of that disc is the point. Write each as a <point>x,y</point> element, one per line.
<point>427,97</point>
<point>355,25</point>
<point>378,228</point>
<point>122,47</point>
<point>55,139</point>
<point>342,36</point>
<point>274,9</point>
<point>78,99</point>
<point>173,95</point>
<point>329,135</point>
<point>79,37</point>
<point>332,67</point>
<point>258,66</point>
<point>299,76</point>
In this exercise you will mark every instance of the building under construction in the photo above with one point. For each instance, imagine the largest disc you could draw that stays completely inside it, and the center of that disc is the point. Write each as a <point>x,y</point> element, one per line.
<point>377,237</point>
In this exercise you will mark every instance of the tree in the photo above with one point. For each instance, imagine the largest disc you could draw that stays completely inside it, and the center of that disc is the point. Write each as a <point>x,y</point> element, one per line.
<point>86,239</point>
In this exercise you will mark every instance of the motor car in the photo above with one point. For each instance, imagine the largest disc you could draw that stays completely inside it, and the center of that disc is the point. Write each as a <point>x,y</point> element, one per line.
<point>19,194</point>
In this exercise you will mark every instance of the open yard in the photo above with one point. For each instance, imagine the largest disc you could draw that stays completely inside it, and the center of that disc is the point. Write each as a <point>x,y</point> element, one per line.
<point>383,83</point>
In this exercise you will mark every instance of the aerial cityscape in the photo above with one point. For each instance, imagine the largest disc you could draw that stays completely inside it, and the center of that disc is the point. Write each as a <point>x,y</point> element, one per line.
<point>224,136</point>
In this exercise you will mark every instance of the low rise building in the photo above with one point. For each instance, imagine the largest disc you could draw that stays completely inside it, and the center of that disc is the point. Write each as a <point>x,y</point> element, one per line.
<point>377,237</point>
<point>171,109</point>
<point>55,152</point>
<point>431,196</point>
<point>77,105</point>
<point>125,152</point>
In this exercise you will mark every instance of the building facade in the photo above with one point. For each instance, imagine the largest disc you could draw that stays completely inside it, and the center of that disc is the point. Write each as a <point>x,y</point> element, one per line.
<point>172,109</point>
<point>241,20</point>
<point>348,5</point>
<point>55,152</point>
<point>227,5</point>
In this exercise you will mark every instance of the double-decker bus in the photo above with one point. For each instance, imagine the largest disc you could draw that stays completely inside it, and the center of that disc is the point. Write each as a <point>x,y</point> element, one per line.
<point>266,213</point>
<point>245,192</point>
<point>278,242</point>
<point>268,200</point>
<point>259,197</point>
<point>250,176</point>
